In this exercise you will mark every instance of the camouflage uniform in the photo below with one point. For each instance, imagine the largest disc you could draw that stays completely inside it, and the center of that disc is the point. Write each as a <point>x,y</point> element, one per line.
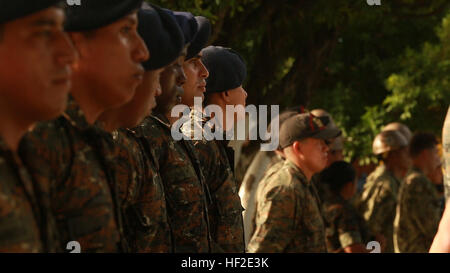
<point>345,226</point>
<point>19,217</point>
<point>141,194</point>
<point>183,185</point>
<point>446,153</point>
<point>64,159</point>
<point>261,165</point>
<point>418,214</point>
<point>288,214</point>
<point>377,204</point>
<point>216,161</point>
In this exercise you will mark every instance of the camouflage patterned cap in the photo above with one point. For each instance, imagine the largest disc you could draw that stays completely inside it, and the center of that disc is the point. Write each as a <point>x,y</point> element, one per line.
<point>387,141</point>
<point>306,125</point>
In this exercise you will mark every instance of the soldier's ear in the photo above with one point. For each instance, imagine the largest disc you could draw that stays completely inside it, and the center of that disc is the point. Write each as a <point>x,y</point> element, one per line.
<point>225,96</point>
<point>297,147</point>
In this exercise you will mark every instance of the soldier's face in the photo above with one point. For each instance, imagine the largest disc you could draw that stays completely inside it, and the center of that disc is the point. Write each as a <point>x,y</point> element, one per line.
<point>334,155</point>
<point>172,80</point>
<point>315,152</point>
<point>144,100</point>
<point>196,74</point>
<point>110,61</point>
<point>35,74</point>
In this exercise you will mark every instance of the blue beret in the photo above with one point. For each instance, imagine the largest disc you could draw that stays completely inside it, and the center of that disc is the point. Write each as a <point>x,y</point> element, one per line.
<point>15,9</point>
<point>162,35</point>
<point>201,37</point>
<point>93,14</point>
<point>188,25</point>
<point>226,68</point>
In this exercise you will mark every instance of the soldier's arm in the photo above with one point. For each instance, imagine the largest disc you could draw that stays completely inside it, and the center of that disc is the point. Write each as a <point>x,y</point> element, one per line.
<point>424,209</point>
<point>383,212</point>
<point>274,221</point>
<point>349,233</point>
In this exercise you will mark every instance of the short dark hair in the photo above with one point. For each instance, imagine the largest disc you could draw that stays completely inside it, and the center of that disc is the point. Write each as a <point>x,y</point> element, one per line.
<point>337,175</point>
<point>421,141</point>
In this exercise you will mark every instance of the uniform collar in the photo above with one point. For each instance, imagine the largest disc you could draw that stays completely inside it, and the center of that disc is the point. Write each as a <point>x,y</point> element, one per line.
<point>162,119</point>
<point>298,172</point>
<point>75,115</point>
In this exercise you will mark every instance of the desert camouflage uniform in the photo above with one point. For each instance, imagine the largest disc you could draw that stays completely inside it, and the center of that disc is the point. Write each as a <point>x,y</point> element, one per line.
<point>345,226</point>
<point>19,217</point>
<point>446,153</point>
<point>288,215</point>
<point>377,204</point>
<point>264,164</point>
<point>216,160</point>
<point>183,186</point>
<point>140,193</point>
<point>64,157</point>
<point>418,214</point>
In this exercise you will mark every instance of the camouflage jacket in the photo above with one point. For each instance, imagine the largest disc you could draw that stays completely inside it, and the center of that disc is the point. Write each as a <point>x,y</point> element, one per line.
<point>184,190</point>
<point>377,204</point>
<point>446,153</point>
<point>19,218</point>
<point>418,214</point>
<point>217,163</point>
<point>64,158</point>
<point>140,193</point>
<point>264,164</point>
<point>345,226</point>
<point>288,217</point>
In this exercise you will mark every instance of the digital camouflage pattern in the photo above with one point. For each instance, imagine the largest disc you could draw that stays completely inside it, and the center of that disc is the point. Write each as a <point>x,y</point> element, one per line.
<point>19,220</point>
<point>418,214</point>
<point>64,159</point>
<point>263,164</point>
<point>345,227</point>
<point>140,192</point>
<point>446,153</point>
<point>377,203</point>
<point>184,190</point>
<point>225,211</point>
<point>288,217</point>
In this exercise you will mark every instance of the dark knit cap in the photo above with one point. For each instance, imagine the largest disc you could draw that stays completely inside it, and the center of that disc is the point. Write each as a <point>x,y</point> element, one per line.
<point>226,68</point>
<point>201,37</point>
<point>15,9</point>
<point>93,14</point>
<point>188,25</point>
<point>162,35</point>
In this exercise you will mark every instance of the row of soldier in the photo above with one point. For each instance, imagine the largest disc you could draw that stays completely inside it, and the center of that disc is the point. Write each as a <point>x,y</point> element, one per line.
<point>399,206</point>
<point>86,152</point>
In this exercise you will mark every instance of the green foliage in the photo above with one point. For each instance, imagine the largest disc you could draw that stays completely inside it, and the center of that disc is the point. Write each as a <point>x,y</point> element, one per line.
<point>366,65</point>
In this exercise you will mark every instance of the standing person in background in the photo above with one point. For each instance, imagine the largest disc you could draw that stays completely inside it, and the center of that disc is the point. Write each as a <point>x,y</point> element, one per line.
<point>35,55</point>
<point>378,199</point>
<point>288,217</point>
<point>260,166</point>
<point>347,231</point>
<point>419,208</point>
